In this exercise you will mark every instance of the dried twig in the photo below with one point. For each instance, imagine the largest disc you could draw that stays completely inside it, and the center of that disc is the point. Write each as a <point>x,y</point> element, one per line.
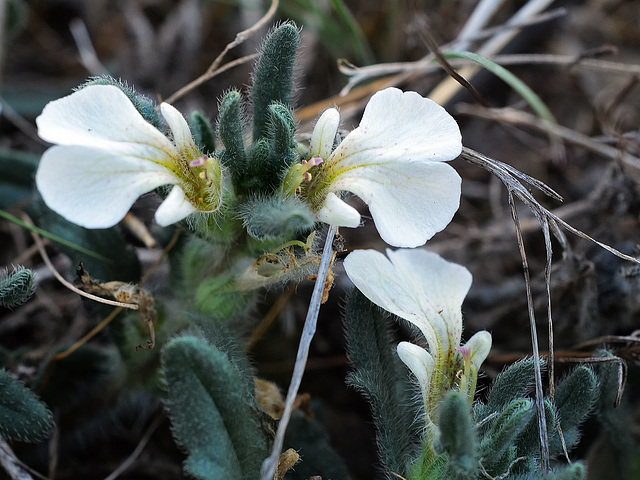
<point>215,69</point>
<point>63,281</point>
<point>9,463</point>
<point>548,222</point>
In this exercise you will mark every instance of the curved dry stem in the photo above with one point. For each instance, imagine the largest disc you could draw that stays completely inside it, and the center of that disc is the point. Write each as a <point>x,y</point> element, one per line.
<point>215,69</point>
<point>63,281</point>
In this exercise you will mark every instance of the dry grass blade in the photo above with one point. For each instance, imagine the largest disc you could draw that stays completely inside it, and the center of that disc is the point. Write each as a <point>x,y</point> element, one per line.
<point>548,222</point>
<point>433,46</point>
<point>511,182</point>
<point>542,421</point>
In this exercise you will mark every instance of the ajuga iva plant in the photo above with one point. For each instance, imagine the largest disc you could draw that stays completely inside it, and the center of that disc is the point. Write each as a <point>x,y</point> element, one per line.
<point>459,439</point>
<point>213,410</point>
<point>250,198</point>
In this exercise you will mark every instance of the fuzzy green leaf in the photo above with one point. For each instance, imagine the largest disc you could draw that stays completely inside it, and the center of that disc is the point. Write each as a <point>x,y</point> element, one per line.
<point>202,132</point>
<point>514,382</point>
<point>575,398</point>
<point>212,412</point>
<point>230,131</point>
<point>456,436</point>
<point>529,439</point>
<point>16,287</point>
<point>22,415</point>
<point>274,217</point>
<point>380,376</point>
<point>282,128</point>
<point>497,447</point>
<point>273,78</point>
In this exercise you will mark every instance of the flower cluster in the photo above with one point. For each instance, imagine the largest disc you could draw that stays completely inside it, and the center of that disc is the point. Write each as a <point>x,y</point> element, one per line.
<point>426,290</point>
<point>107,155</point>
<point>393,161</point>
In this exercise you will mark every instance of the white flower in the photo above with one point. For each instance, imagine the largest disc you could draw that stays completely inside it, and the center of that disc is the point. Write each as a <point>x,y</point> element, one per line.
<point>426,290</point>
<point>107,155</point>
<point>393,161</point>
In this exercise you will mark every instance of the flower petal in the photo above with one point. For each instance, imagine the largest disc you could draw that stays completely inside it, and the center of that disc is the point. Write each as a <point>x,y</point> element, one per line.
<point>404,125</point>
<point>324,134</point>
<point>392,161</point>
<point>174,208</point>
<point>336,212</point>
<point>417,285</point>
<point>420,362</point>
<point>95,188</point>
<point>100,116</point>
<point>409,202</point>
<point>180,131</point>
<point>479,346</point>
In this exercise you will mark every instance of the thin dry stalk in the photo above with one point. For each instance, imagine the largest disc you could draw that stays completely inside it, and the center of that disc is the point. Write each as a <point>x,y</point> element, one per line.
<point>542,420</point>
<point>215,69</point>
<point>271,463</point>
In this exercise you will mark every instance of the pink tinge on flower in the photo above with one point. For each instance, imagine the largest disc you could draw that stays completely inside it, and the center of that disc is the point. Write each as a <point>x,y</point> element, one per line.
<point>466,353</point>
<point>198,162</point>
<point>313,162</point>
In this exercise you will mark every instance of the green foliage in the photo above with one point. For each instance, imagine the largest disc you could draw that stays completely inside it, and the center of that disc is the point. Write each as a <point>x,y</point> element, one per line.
<point>456,436</point>
<point>381,377</point>
<point>22,415</point>
<point>16,287</point>
<point>275,217</point>
<point>514,382</point>
<point>230,131</point>
<point>575,398</point>
<point>282,128</point>
<point>202,132</point>
<point>498,448</point>
<point>212,411</point>
<point>144,105</point>
<point>273,77</point>
<point>218,297</point>
<point>272,156</point>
